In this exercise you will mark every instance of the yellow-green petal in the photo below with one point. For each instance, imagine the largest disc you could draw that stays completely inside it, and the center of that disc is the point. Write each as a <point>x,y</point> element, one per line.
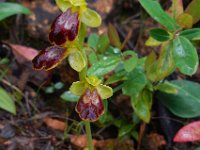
<point>91,18</point>
<point>78,2</point>
<point>104,91</point>
<point>77,61</point>
<point>93,80</point>
<point>78,88</point>
<point>63,5</point>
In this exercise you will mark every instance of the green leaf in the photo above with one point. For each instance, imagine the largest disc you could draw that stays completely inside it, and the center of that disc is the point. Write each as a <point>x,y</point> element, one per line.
<point>124,130</point>
<point>157,13</point>
<point>167,87</point>
<point>93,40</point>
<point>6,102</point>
<point>92,58</point>
<point>142,105</point>
<point>118,76</point>
<point>103,43</point>
<point>152,42</point>
<point>185,20</point>
<point>106,117</point>
<point>130,63</point>
<point>176,9</point>
<point>191,34</point>
<point>78,88</point>
<point>77,61</point>
<point>165,63</point>
<point>114,37</point>
<point>185,55</point>
<point>186,102</point>
<point>91,18</point>
<point>8,9</point>
<point>135,83</point>
<point>104,91</point>
<point>193,10</point>
<point>69,97</point>
<point>151,58</point>
<point>63,5</point>
<point>159,34</point>
<point>104,66</point>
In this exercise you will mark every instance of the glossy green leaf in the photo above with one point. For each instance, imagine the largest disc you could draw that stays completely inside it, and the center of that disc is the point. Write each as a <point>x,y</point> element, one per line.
<point>6,102</point>
<point>142,105</point>
<point>131,62</point>
<point>167,87</point>
<point>185,20</point>
<point>114,37</point>
<point>104,66</point>
<point>165,63</point>
<point>63,5</point>
<point>186,102</point>
<point>157,13</point>
<point>8,9</point>
<point>92,58</point>
<point>191,34</point>
<point>91,18</point>
<point>69,97</point>
<point>77,61</point>
<point>193,10</point>
<point>116,77</point>
<point>159,34</point>
<point>93,40</point>
<point>104,91</point>
<point>78,88</point>
<point>185,55</point>
<point>135,83</point>
<point>103,43</point>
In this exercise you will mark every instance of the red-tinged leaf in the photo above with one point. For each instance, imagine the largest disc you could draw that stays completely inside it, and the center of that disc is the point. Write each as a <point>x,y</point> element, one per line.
<point>188,133</point>
<point>23,53</point>
<point>64,28</point>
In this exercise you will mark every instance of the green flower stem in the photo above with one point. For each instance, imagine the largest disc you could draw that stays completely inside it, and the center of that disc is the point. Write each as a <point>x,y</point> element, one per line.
<point>82,76</point>
<point>89,135</point>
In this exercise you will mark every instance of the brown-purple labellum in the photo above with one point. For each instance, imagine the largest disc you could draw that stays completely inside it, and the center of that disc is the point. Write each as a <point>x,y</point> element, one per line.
<point>49,58</point>
<point>65,27</point>
<point>90,105</point>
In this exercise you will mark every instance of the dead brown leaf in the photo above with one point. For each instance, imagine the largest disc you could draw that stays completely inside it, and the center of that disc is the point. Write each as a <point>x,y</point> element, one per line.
<point>23,53</point>
<point>55,124</point>
<point>155,140</point>
<point>81,142</point>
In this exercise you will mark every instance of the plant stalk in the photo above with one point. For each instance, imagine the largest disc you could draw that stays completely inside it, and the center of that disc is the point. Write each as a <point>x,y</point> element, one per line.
<point>89,135</point>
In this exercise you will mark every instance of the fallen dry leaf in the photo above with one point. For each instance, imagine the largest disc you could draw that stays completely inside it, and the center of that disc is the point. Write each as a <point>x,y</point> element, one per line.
<point>23,53</point>
<point>155,141</point>
<point>81,142</point>
<point>55,124</point>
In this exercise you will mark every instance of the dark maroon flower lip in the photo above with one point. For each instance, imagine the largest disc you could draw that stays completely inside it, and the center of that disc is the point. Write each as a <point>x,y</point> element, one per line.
<point>90,105</point>
<point>64,28</point>
<point>49,58</point>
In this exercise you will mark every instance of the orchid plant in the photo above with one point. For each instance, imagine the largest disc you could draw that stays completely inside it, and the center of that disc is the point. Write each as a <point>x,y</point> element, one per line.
<point>141,79</point>
<point>67,36</point>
